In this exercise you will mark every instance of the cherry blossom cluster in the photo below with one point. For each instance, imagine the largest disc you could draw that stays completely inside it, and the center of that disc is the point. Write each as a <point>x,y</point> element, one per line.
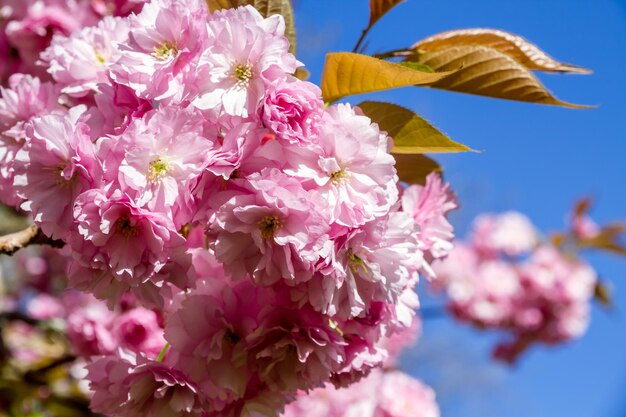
<point>263,238</point>
<point>28,26</point>
<point>385,392</point>
<point>505,278</point>
<point>381,394</point>
<point>38,290</point>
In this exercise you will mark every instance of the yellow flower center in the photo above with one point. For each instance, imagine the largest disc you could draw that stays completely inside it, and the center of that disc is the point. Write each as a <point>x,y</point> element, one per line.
<point>165,51</point>
<point>269,225</point>
<point>355,262</point>
<point>338,176</point>
<point>243,75</point>
<point>158,169</point>
<point>99,57</point>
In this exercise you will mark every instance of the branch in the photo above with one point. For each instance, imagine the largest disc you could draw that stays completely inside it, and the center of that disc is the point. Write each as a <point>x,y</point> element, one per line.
<point>32,235</point>
<point>37,376</point>
<point>17,316</point>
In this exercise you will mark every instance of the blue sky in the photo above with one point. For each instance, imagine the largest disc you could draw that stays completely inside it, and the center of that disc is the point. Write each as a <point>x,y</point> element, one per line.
<point>536,159</point>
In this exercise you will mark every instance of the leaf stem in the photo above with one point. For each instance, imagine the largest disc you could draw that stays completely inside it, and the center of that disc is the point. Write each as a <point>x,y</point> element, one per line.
<point>362,38</point>
<point>394,53</point>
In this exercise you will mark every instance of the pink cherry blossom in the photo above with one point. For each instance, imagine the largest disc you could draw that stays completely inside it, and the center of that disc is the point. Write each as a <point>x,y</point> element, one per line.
<point>352,167</point>
<point>429,205</point>
<point>163,39</point>
<point>55,165</point>
<point>120,246</point>
<point>245,54</point>
<point>33,22</point>
<point>78,62</point>
<point>25,98</point>
<point>511,233</point>
<point>116,107</point>
<point>129,385</point>
<point>274,232</point>
<point>138,330</point>
<point>164,154</point>
<point>117,7</point>
<point>374,263</point>
<point>45,307</point>
<point>544,299</point>
<point>207,334</point>
<point>391,394</point>
<point>89,328</point>
<point>293,109</point>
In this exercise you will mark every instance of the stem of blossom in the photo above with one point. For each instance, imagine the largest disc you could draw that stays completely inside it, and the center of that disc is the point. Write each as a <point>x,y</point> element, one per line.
<point>163,352</point>
<point>32,235</point>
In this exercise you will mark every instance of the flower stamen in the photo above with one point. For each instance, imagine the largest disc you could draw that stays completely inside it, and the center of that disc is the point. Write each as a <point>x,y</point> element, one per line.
<point>159,167</point>
<point>124,226</point>
<point>243,75</point>
<point>269,225</point>
<point>338,176</point>
<point>165,51</point>
<point>354,262</point>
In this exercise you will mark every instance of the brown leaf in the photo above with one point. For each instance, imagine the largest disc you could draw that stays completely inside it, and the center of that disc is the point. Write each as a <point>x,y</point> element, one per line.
<point>582,206</point>
<point>302,74</point>
<point>608,239</point>
<point>266,8</point>
<point>414,168</point>
<point>487,72</point>
<point>378,8</point>
<point>518,48</point>
<point>347,73</point>
<point>221,4</point>
<point>604,294</point>
<point>557,239</point>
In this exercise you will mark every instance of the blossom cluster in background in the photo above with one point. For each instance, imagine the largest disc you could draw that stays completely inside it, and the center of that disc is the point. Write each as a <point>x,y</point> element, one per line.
<point>504,278</point>
<point>258,243</point>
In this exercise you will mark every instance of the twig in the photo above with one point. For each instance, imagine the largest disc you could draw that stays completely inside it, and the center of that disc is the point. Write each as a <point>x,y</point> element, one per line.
<point>362,38</point>
<point>17,316</point>
<point>36,376</point>
<point>32,235</point>
<point>395,53</point>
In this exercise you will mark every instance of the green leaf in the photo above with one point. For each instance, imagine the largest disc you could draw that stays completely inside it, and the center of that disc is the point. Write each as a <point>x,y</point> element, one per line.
<point>415,168</point>
<point>411,133</point>
<point>485,71</point>
<point>378,8</point>
<point>347,73</point>
<point>266,8</point>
